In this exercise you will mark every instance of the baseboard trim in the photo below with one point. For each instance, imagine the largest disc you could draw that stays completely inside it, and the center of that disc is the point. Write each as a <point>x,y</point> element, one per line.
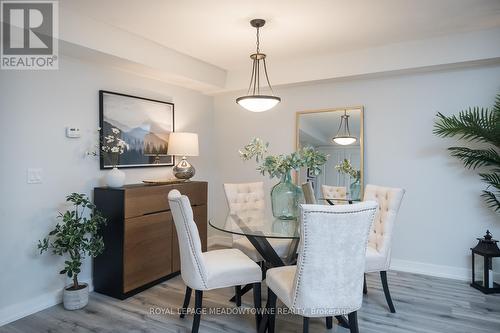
<point>449,272</point>
<point>19,310</point>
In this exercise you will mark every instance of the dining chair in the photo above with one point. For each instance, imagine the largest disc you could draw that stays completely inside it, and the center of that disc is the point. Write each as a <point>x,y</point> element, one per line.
<point>334,192</point>
<point>245,199</point>
<point>248,199</point>
<point>202,271</point>
<point>308,191</point>
<point>378,252</point>
<point>328,278</point>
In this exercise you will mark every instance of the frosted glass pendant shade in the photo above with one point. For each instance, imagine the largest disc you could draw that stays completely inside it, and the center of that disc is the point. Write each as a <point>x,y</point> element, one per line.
<point>344,140</point>
<point>258,103</point>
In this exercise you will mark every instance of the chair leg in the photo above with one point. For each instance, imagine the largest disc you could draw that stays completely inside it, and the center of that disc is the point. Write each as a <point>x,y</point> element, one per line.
<point>305,325</point>
<point>329,322</point>
<point>353,322</point>
<point>257,303</point>
<point>342,321</point>
<point>187,297</point>
<point>197,308</point>
<point>271,298</point>
<point>365,287</point>
<point>237,295</point>
<point>383,277</point>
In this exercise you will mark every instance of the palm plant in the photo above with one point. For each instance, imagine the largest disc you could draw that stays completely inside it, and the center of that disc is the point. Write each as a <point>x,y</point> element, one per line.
<point>477,125</point>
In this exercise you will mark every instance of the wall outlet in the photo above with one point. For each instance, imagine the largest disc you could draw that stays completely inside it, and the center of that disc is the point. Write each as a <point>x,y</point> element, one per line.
<point>34,176</point>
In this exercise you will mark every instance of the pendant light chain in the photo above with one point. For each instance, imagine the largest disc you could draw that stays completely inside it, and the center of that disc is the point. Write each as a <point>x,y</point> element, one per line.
<point>258,40</point>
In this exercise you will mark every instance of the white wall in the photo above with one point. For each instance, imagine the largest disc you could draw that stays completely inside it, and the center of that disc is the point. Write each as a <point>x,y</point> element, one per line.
<point>35,108</point>
<point>442,211</point>
<point>441,215</point>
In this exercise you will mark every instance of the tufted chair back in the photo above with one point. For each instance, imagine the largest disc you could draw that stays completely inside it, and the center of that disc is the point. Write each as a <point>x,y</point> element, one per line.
<point>389,201</point>
<point>334,192</point>
<point>193,270</point>
<point>308,191</point>
<point>331,263</point>
<point>246,199</point>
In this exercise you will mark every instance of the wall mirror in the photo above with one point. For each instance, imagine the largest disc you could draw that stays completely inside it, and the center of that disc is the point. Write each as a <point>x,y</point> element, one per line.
<point>338,133</point>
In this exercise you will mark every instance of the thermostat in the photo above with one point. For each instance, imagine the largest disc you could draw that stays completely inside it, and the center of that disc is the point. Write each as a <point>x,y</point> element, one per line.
<point>73,132</point>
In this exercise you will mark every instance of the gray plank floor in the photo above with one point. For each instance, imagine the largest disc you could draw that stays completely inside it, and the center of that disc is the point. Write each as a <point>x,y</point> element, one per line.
<point>423,304</point>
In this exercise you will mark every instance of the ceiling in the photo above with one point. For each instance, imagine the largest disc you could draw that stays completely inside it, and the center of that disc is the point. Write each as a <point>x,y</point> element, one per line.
<point>218,32</point>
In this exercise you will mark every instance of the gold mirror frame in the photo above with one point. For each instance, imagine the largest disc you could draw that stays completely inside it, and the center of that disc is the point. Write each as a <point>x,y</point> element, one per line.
<point>361,138</point>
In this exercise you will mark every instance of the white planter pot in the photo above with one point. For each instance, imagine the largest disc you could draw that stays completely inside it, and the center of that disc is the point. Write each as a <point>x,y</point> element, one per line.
<point>75,299</point>
<point>115,178</point>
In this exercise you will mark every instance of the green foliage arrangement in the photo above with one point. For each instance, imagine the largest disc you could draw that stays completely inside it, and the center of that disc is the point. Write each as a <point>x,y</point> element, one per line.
<point>477,125</point>
<point>345,167</point>
<point>277,166</point>
<point>76,236</point>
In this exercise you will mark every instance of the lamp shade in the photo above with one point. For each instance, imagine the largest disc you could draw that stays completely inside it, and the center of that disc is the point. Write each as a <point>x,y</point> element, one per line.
<point>183,144</point>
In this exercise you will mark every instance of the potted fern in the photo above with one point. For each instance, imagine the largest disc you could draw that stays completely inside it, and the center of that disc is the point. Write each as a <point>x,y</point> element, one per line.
<point>477,125</point>
<point>75,236</point>
<point>285,195</point>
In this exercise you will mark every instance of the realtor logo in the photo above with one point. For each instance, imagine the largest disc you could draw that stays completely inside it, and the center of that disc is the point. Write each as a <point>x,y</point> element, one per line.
<point>29,38</point>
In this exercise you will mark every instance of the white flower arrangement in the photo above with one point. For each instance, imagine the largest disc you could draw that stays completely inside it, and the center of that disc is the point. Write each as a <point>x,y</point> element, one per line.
<point>112,146</point>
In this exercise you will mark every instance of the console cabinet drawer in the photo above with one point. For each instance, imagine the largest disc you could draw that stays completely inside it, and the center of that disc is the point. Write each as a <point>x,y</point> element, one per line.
<point>144,200</point>
<point>147,251</point>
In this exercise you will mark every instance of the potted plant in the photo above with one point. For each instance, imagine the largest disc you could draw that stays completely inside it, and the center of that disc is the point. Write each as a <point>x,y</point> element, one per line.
<point>75,236</point>
<point>477,125</point>
<point>285,195</point>
<point>345,167</point>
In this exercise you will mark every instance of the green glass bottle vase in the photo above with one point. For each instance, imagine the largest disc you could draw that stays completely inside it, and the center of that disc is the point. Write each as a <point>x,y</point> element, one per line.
<point>355,189</point>
<point>285,197</point>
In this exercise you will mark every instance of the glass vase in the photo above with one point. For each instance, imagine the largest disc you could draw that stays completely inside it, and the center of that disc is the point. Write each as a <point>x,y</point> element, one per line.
<point>285,197</point>
<point>354,189</point>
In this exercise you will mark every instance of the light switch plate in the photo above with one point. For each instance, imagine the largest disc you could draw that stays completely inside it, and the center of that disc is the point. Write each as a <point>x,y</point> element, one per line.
<point>34,176</point>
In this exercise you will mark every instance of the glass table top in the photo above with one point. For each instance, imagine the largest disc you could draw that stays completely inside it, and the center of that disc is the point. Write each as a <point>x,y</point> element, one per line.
<point>255,223</point>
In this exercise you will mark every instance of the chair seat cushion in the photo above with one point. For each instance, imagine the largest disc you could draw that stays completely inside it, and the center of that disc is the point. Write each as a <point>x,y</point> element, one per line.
<point>230,267</point>
<point>279,245</point>
<point>280,281</point>
<point>374,260</point>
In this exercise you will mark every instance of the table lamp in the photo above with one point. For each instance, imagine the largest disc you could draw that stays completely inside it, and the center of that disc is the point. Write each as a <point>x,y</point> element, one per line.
<point>183,144</point>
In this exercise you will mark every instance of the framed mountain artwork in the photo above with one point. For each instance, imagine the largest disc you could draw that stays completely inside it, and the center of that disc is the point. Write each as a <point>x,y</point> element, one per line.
<point>144,124</point>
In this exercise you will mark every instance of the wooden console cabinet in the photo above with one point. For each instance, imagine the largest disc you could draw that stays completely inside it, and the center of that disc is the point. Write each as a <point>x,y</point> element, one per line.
<point>141,247</point>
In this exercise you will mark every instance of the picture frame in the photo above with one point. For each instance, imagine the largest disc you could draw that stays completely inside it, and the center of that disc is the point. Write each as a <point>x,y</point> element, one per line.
<point>144,124</point>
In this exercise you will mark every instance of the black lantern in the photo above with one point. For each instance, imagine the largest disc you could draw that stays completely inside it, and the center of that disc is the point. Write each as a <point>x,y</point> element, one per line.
<point>483,256</point>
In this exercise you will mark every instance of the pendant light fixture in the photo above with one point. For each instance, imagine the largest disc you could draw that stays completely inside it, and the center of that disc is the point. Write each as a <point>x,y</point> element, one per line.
<point>344,136</point>
<point>255,101</point>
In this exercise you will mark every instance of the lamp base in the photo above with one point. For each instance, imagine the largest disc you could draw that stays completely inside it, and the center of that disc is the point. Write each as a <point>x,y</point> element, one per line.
<point>183,170</point>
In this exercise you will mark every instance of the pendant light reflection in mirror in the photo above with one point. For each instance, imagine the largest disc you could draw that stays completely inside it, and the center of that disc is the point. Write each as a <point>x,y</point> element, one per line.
<point>343,136</point>
<point>254,100</point>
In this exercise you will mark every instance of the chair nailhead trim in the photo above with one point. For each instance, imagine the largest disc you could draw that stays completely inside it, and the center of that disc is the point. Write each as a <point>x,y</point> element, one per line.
<point>191,245</point>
